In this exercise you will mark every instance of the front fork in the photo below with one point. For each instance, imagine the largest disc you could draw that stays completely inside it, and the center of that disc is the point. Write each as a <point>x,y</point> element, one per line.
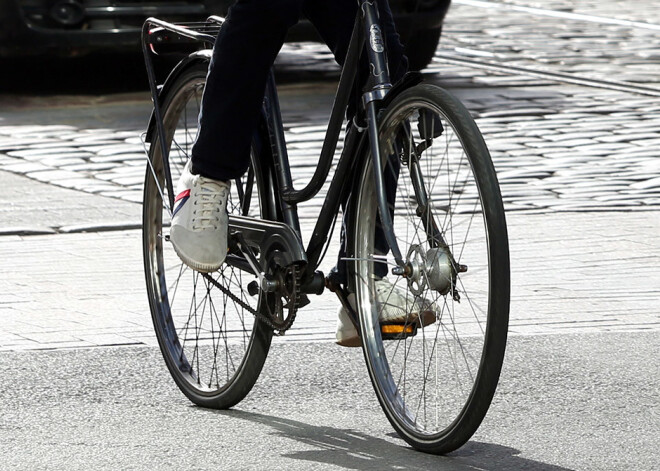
<point>378,85</point>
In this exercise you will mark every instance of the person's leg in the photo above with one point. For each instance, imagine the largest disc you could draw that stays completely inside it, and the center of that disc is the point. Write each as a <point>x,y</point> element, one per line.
<point>244,52</point>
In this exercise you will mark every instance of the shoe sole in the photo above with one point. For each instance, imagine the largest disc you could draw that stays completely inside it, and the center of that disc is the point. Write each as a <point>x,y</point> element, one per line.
<point>428,318</point>
<point>350,342</point>
<point>200,267</point>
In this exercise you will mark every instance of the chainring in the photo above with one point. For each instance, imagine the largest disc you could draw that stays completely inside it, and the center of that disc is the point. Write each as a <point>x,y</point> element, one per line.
<point>286,298</point>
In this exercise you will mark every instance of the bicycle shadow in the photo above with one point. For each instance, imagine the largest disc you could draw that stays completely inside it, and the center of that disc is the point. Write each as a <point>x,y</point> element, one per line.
<point>356,450</point>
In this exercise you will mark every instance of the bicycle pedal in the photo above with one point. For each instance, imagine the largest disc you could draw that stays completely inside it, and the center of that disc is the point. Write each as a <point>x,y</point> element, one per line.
<point>397,331</point>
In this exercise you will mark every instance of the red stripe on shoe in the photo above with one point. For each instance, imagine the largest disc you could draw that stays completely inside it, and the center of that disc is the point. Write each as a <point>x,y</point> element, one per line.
<point>182,195</point>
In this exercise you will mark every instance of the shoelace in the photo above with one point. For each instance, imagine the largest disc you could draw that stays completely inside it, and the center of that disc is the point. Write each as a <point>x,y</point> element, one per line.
<point>211,201</point>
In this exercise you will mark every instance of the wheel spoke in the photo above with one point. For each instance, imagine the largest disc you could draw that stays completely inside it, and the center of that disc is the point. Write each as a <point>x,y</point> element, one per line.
<point>427,375</point>
<point>206,334</point>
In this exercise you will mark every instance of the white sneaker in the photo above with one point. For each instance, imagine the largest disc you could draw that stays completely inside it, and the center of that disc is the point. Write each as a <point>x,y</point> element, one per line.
<point>395,305</point>
<point>200,220</point>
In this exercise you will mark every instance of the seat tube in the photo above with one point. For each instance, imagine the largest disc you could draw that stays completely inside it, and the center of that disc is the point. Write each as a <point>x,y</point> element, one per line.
<point>278,147</point>
<point>378,84</point>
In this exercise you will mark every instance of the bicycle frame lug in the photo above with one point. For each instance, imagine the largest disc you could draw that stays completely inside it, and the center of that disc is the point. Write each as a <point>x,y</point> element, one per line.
<point>376,94</point>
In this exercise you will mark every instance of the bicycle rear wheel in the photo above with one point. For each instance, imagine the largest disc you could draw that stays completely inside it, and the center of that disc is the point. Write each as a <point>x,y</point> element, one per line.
<point>213,346</point>
<point>434,376</point>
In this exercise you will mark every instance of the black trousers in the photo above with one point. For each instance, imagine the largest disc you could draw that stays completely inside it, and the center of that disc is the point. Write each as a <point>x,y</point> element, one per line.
<point>243,55</point>
<point>244,52</point>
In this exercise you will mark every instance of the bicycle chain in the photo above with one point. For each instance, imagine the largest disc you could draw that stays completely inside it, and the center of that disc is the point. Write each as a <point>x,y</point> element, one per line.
<point>278,328</point>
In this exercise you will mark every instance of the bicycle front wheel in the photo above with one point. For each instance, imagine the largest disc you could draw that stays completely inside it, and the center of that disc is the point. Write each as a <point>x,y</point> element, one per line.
<point>436,372</point>
<point>213,345</point>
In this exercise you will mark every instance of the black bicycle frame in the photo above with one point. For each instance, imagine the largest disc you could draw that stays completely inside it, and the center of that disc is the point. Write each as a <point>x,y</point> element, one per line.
<point>378,84</point>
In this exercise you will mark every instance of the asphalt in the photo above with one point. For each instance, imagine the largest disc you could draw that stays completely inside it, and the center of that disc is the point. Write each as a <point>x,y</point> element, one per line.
<point>569,402</point>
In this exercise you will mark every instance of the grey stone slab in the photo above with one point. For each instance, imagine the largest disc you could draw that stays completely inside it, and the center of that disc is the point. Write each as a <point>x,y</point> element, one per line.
<point>118,149</point>
<point>17,144</point>
<point>25,231</point>
<point>561,144</point>
<point>25,167</point>
<point>515,112</point>
<point>116,157</point>
<point>32,152</point>
<point>577,136</point>
<point>95,146</point>
<point>62,161</point>
<point>89,167</point>
<point>53,175</point>
<point>655,142</point>
<point>651,183</point>
<point>49,206</point>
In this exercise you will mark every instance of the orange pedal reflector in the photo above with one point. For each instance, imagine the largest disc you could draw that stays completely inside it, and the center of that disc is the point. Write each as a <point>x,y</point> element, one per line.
<point>397,329</point>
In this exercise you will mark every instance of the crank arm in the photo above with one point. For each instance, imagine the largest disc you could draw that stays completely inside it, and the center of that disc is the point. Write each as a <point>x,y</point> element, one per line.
<point>342,294</point>
<point>237,244</point>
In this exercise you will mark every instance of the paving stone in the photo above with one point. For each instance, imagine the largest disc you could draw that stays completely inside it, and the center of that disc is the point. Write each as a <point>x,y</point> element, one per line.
<point>25,167</point>
<point>62,161</point>
<point>53,175</point>
<point>117,149</point>
<point>652,183</point>
<point>116,158</point>
<point>515,112</point>
<point>16,144</point>
<point>129,180</point>
<point>90,167</point>
<point>577,136</point>
<point>655,142</point>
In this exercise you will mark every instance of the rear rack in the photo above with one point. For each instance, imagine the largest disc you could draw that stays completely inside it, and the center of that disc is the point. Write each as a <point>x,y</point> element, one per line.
<point>156,32</point>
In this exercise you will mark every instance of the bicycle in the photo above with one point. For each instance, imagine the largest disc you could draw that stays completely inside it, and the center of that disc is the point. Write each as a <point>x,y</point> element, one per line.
<point>443,220</point>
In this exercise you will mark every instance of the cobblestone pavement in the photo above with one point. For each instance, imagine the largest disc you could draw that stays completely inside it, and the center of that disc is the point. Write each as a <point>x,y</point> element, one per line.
<point>569,159</point>
<point>588,47</point>
<point>555,148</point>
<point>645,11</point>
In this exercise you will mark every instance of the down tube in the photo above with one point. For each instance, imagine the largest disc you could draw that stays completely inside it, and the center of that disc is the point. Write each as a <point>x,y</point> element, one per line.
<point>337,193</point>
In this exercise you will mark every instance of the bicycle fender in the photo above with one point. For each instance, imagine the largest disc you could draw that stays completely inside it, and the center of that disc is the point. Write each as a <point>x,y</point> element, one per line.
<point>410,79</point>
<point>196,57</point>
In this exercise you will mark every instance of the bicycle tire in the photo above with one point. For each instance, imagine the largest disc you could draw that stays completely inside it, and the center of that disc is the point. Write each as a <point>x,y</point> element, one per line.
<point>213,348</point>
<point>435,383</point>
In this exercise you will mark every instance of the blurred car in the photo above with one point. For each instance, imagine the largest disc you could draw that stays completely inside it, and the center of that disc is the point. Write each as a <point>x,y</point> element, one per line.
<point>70,28</point>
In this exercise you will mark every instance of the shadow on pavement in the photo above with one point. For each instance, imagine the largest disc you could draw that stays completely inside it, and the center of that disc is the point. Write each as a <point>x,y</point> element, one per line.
<point>356,450</point>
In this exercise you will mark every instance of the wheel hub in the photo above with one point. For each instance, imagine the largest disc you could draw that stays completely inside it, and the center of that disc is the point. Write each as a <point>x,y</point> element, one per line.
<point>432,268</point>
